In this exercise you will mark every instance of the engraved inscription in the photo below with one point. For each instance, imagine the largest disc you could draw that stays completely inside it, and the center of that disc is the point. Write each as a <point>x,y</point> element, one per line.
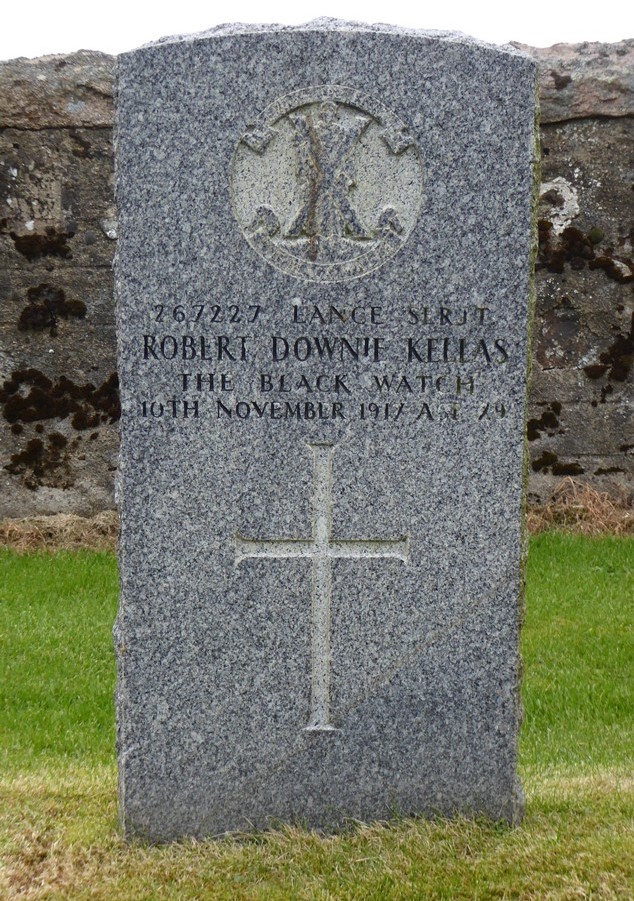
<point>348,364</point>
<point>327,185</point>
<point>321,549</point>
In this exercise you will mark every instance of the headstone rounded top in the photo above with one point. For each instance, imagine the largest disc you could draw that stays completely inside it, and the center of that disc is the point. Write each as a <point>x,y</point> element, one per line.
<point>328,24</point>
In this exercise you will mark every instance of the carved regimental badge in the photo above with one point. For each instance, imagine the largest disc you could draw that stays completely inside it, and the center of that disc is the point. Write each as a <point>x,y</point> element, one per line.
<point>327,185</point>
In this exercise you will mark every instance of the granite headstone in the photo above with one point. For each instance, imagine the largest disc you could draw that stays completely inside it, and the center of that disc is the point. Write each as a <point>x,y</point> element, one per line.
<point>323,284</point>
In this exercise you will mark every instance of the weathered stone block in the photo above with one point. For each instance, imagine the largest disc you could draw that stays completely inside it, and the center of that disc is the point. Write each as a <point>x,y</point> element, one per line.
<point>58,387</point>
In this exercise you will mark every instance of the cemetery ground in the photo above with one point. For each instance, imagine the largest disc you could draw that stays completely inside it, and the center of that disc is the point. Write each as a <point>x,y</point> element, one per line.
<point>59,836</point>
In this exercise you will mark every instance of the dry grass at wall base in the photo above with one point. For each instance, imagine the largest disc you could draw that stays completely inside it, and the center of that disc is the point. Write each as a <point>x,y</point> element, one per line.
<point>63,531</point>
<point>578,507</point>
<point>575,507</point>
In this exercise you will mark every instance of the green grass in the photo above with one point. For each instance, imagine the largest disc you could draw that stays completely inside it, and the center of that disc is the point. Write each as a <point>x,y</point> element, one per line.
<point>58,835</point>
<point>56,615</point>
<point>578,650</point>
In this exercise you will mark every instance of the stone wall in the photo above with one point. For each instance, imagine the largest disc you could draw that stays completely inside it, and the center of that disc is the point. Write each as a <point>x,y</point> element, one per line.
<point>580,409</point>
<point>58,394</point>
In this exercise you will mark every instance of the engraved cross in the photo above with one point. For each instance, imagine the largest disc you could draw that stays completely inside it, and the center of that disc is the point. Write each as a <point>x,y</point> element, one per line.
<point>321,549</point>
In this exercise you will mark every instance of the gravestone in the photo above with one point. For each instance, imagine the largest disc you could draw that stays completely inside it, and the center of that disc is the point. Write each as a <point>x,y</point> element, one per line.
<point>323,284</point>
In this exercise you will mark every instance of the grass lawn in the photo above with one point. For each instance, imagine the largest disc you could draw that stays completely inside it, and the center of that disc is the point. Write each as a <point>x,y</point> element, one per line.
<point>58,828</point>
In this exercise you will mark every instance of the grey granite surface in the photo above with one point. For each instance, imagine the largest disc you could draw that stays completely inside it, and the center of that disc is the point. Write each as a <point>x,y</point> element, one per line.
<point>323,284</point>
